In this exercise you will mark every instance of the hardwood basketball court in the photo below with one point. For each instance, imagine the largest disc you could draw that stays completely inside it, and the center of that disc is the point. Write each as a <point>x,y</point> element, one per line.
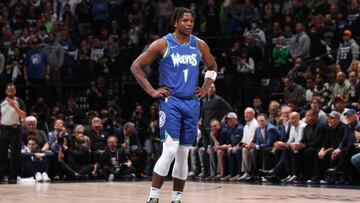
<point>137,192</point>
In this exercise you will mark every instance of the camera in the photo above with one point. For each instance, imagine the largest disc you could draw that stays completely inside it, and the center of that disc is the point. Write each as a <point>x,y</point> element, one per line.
<point>61,140</point>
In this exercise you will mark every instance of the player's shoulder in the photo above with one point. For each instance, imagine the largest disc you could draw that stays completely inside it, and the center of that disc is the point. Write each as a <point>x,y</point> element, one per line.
<point>159,43</point>
<point>157,47</point>
<point>201,44</point>
<point>199,40</point>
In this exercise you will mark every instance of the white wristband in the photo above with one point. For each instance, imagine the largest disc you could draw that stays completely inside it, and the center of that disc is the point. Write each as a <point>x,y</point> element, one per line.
<point>211,74</point>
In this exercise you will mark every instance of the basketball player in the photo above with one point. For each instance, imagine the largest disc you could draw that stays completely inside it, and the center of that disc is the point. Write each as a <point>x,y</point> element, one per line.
<point>180,54</point>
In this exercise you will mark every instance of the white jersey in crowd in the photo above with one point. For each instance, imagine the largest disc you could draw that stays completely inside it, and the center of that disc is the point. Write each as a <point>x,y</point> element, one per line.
<point>249,131</point>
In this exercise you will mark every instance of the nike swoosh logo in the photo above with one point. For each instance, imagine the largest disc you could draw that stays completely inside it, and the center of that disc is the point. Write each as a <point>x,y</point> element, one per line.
<point>173,47</point>
<point>191,47</point>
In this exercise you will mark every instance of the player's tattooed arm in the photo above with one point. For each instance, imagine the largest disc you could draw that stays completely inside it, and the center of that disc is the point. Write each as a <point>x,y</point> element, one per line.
<point>156,49</point>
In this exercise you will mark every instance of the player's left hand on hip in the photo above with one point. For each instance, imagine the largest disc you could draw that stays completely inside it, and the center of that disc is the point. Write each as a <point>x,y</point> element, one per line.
<point>200,92</point>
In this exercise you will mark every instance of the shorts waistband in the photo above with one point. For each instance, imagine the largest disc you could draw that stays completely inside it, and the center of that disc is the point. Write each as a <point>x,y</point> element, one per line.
<point>192,97</point>
<point>10,126</point>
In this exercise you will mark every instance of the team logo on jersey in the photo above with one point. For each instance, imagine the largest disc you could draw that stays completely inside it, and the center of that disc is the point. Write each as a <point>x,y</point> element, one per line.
<point>185,59</point>
<point>162,118</point>
<point>36,59</point>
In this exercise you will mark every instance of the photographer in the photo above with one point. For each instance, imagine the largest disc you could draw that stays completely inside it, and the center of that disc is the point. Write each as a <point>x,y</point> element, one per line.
<point>98,138</point>
<point>57,134</point>
<point>115,163</point>
<point>74,155</point>
<point>129,141</point>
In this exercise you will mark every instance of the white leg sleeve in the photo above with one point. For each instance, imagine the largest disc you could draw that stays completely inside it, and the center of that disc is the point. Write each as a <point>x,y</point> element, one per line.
<point>170,147</point>
<point>180,170</point>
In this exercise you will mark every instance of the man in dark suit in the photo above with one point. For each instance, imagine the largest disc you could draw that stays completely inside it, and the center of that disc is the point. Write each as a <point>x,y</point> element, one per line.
<point>329,154</point>
<point>265,136</point>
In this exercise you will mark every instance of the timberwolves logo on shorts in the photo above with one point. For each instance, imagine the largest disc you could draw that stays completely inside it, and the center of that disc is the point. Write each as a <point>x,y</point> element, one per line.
<point>36,59</point>
<point>162,118</point>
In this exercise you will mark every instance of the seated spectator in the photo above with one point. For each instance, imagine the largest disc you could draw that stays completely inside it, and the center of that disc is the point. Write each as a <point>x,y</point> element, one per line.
<point>289,158</point>
<point>340,106</point>
<point>214,141</point>
<point>128,140</point>
<point>324,92</point>
<point>97,138</point>
<point>298,72</point>
<point>328,156</point>
<point>265,136</point>
<point>248,136</point>
<point>309,89</point>
<point>342,86</point>
<point>198,156</point>
<point>314,135</point>
<point>258,105</point>
<point>274,113</point>
<point>234,130</point>
<point>59,131</point>
<point>355,159</point>
<point>31,130</point>
<point>344,172</point>
<point>139,118</point>
<point>74,157</point>
<point>354,90</point>
<point>221,149</point>
<point>315,106</point>
<point>294,106</point>
<point>153,145</point>
<point>57,134</point>
<point>34,161</point>
<point>285,125</point>
<point>115,163</point>
<point>293,91</point>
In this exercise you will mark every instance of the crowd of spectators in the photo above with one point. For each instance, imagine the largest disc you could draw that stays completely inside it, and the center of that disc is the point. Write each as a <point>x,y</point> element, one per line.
<point>291,66</point>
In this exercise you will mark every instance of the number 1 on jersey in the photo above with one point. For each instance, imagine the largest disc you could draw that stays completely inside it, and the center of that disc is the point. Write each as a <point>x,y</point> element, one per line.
<point>186,72</point>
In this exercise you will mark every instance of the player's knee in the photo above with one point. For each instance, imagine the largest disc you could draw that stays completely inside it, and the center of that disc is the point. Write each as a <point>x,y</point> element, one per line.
<point>180,171</point>
<point>181,177</point>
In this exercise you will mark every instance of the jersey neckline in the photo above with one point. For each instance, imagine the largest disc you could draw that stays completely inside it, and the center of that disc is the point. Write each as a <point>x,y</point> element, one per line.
<point>178,43</point>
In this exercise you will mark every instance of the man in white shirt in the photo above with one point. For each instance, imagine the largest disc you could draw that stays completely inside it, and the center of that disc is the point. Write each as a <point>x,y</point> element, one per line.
<point>248,137</point>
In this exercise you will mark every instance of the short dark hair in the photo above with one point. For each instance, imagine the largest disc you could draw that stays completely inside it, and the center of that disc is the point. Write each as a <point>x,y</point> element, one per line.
<point>10,84</point>
<point>312,112</point>
<point>33,138</point>
<point>179,13</point>
<point>262,114</point>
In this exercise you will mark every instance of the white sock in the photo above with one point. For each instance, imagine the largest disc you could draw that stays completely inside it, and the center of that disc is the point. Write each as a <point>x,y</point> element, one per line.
<point>154,193</point>
<point>176,195</point>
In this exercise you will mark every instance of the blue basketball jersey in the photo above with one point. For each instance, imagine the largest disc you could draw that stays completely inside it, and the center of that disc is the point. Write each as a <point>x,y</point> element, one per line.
<point>179,68</point>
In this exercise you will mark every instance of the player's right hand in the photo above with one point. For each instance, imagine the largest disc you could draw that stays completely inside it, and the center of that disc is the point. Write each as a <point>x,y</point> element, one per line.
<point>161,92</point>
